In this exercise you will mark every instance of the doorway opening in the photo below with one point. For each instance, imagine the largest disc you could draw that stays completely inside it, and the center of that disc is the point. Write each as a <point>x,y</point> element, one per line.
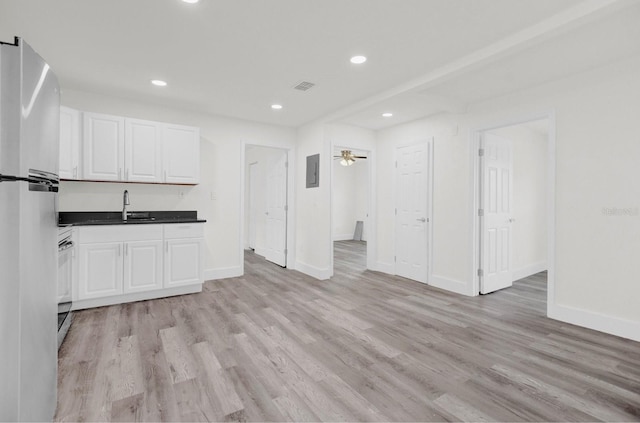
<point>514,197</point>
<point>266,203</point>
<point>351,232</point>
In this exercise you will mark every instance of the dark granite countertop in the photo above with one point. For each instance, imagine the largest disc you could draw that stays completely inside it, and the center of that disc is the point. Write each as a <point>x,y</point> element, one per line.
<point>134,218</point>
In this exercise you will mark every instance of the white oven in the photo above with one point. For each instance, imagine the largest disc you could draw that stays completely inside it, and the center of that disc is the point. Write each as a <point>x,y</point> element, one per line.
<point>65,276</point>
<point>65,254</point>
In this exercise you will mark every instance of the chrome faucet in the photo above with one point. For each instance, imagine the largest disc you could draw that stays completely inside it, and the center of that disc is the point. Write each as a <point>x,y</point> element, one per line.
<point>125,203</point>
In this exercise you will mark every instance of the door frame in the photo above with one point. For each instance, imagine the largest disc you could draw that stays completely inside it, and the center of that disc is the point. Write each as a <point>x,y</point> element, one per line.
<point>429,143</point>
<point>250,219</point>
<point>291,218</point>
<point>475,248</point>
<point>370,225</point>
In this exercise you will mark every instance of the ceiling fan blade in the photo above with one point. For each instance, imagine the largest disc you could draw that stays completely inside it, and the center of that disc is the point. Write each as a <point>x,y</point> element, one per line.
<point>359,157</point>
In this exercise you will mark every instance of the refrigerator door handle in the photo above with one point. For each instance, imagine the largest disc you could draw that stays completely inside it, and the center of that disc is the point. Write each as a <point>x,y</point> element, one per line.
<point>36,183</point>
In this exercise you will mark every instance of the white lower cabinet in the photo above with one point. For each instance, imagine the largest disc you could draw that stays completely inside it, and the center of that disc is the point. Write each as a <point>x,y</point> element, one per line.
<point>100,270</point>
<point>183,262</point>
<point>183,254</point>
<point>142,266</point>
<point>123,263</point>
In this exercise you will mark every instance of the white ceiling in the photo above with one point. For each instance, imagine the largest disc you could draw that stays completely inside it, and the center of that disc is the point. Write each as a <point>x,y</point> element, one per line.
<point>237,57</point>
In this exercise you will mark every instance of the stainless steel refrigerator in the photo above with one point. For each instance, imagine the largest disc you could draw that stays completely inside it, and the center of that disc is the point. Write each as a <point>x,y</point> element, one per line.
<point>29,122</point>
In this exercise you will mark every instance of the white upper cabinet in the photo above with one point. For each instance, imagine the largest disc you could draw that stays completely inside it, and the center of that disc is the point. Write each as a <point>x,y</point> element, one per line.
<point>69,143</point>
<point>143,151</point>
<point>115,148</point>
<point>181,154</point>
<point>103,147</point>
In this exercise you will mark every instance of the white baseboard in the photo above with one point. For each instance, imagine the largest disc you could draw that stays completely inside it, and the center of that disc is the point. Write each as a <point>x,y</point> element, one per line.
<point>459,287</point>
<point>612,325</point>
<point>388,268</point>
<point>343,237</point>
<point>313,271</point>
<point>136,296</point>
<point>529,270</point>
<point>222,273</point>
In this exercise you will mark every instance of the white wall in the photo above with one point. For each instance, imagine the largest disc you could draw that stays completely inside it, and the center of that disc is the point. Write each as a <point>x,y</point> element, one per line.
<point>451,172</point>
<point>529,229</point>
<point>217,198</point>
<point>350,196</point>
<point>313,205</point>
<point>596,202</point>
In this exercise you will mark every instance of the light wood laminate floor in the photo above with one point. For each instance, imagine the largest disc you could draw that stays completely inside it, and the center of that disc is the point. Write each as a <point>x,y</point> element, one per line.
<point>276,345</point>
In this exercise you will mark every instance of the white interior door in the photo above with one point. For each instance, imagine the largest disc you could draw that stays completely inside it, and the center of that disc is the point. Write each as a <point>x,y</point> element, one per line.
<point>497,203</point>
<point>412,219</point>
<point>276,213</point>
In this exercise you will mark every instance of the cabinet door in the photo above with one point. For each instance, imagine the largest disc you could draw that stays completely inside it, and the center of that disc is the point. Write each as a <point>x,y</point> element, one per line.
<point>143,151</point>
<point>142,266</point>
<point>181,154</point>
<point>183,262</point>
<point>100,270</point>
<point>103,147</point>
<point>69,143</point>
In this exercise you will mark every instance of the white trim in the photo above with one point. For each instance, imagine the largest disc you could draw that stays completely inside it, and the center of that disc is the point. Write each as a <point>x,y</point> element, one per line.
<point>528,270</point>
<point>601,322</point>
<point>136,296</point>
<point>343,237</point>
<point>223,273</point>
<point>459,287</point>
<point>315,272</point>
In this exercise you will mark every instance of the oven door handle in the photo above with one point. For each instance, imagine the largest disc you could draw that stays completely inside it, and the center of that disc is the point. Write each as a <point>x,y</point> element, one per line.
<point>65,245</point>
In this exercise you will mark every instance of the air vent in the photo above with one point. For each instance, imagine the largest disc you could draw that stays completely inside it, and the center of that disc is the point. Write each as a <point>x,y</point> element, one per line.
<point>304,86</point>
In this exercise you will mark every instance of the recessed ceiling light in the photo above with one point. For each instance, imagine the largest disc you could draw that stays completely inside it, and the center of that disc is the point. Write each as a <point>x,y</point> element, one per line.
<point>191,1</point>
<point>276,106</point>
<point>158,83</point>
<point>358,59</point>
<point>387,114</point>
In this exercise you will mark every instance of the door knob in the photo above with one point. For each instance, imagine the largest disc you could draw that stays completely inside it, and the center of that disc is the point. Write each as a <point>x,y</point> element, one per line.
<point>422,219</point>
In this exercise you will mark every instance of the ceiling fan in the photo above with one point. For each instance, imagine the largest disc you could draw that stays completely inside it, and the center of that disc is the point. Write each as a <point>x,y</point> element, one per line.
<point>347,158</point>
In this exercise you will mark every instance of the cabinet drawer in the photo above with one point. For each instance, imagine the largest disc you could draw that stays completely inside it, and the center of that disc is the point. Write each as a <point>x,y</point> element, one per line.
<point>186,230</point>
<point>119,233</point>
